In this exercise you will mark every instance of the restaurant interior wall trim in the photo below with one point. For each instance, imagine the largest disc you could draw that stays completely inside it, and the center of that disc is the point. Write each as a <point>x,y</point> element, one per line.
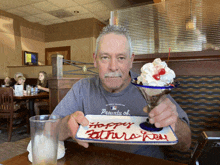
<point>32,71</point>
<point>17,34</point>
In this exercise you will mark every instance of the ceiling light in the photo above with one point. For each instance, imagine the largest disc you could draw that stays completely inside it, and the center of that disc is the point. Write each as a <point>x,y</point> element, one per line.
<point>61,13</point>
<point>190,24</point>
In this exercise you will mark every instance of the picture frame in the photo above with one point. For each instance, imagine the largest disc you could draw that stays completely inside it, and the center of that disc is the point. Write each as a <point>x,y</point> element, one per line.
<point>29,58</point>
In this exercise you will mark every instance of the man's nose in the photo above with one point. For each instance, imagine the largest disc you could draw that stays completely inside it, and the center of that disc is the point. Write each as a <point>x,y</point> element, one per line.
<point>113,66</point>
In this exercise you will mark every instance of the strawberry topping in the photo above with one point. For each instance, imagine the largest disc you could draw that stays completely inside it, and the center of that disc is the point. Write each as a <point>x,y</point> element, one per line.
<point>156,77</point>
<point>162,71</point>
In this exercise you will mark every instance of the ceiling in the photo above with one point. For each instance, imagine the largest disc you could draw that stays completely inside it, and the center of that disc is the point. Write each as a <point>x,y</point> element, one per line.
<point>47,12</point>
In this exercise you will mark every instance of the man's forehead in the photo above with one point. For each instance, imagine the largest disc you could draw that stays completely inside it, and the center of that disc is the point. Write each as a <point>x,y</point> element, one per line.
<point>115,41</point>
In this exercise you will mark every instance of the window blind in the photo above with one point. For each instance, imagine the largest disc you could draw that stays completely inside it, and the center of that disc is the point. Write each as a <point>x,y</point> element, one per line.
<point>182,25</point>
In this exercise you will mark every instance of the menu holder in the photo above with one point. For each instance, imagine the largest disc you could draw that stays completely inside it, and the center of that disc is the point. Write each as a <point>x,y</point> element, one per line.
<point>18,90</point>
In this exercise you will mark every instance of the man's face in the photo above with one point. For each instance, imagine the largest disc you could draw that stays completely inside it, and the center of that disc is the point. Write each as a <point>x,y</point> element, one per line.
<point>113,62</point>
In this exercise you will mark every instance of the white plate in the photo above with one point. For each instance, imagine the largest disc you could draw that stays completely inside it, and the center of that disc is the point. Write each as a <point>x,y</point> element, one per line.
<point>123,130</point>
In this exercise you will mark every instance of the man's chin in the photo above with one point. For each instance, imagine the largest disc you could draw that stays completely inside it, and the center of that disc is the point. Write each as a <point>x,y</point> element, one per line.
<point>112,86</point>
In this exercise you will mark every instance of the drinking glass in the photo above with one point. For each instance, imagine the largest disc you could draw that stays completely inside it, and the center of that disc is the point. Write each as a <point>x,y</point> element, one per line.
<point>44,139</point>
<point>28,89</point>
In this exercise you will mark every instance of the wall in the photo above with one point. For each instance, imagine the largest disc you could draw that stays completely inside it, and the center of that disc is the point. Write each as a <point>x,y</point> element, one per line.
<point>80,35</point>
<point>17,34</point>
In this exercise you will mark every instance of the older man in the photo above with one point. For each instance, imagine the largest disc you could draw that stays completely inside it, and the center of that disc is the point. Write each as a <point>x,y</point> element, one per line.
<point>114,58</point>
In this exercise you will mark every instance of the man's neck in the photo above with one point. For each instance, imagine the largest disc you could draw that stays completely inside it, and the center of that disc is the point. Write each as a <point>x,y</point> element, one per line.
<point>125,85</point>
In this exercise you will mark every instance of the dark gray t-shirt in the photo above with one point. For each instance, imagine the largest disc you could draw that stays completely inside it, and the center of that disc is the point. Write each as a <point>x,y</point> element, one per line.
<point>88,96</point>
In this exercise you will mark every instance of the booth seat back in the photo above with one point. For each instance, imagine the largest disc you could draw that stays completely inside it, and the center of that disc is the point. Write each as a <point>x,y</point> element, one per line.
<point>199,96</point>
<point>29,81</point>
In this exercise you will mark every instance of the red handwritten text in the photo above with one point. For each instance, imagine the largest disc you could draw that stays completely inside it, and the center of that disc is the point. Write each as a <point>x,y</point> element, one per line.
<point>110,134</point>
<point>153,136</point>
<point>110,125</point>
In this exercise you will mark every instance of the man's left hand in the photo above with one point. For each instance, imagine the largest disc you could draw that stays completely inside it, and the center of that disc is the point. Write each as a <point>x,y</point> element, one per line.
<point>164,114</point>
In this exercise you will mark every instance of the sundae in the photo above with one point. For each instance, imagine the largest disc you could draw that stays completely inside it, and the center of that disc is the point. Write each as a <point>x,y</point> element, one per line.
<point>156,80</point>
<point>156,74</point>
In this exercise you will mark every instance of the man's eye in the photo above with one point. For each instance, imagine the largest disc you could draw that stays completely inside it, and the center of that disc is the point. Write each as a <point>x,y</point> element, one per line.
<point>121,58</point>
<point>104,58</point>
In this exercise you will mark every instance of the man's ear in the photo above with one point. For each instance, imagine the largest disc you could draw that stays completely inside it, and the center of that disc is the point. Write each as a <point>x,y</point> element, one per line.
<point>94,60</point>
<point>132,59</point>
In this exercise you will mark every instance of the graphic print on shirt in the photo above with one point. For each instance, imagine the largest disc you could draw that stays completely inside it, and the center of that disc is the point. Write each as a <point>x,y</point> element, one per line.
<point>115,109</point>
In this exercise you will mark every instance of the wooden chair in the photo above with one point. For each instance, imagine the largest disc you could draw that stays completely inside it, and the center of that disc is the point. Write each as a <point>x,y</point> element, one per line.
<point>41,106</point>
<point>8,113</point>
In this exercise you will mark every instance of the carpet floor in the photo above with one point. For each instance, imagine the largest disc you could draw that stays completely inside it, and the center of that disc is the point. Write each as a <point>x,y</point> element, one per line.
<point>18,145</point>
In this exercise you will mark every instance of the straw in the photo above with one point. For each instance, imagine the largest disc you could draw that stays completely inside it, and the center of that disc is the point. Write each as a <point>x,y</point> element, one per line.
<point>169,55</point>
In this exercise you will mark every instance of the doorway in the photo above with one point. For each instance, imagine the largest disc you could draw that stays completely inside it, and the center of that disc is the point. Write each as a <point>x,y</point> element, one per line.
<point>65,51</point>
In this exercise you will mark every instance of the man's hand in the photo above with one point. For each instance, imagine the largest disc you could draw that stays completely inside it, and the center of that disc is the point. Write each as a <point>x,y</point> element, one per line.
<point>164,114</point>
<point>73,124</point>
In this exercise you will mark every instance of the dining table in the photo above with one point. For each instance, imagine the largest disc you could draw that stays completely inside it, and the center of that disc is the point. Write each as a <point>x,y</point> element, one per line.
<point>94,155</point>
<point>31,98</point>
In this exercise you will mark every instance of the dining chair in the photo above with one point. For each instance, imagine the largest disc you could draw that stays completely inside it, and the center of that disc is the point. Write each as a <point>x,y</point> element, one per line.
<point>207,149</point>
<point>8,113</point>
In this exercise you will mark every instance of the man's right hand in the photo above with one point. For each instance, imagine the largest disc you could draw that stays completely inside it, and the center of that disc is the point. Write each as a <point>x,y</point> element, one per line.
<point>73,124</point>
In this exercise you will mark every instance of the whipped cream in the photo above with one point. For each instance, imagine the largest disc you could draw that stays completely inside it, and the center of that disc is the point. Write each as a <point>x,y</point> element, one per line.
<point>156,73</point>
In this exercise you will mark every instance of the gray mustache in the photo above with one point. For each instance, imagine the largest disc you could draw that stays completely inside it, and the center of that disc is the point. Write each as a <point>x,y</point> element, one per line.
<point>113,74</point>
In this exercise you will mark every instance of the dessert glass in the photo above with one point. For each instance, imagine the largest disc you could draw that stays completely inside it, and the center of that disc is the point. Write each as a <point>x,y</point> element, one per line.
<point>153,95</point>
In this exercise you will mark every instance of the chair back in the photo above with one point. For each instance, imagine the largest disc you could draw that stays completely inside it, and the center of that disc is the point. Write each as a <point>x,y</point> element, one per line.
<point>207,149</point>
<point>6,100</point>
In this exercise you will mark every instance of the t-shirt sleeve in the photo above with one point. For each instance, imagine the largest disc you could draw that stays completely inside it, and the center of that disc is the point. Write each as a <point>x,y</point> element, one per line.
<point>71,103</point>
<point>182,114</point>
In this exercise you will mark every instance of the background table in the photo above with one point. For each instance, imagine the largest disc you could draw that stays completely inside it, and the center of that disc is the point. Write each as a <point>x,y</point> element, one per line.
<point>31,98</point>
<point>76,154</point>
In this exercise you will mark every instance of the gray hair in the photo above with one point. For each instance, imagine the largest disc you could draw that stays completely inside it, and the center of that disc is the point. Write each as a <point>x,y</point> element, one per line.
<point>16,75</point>
<point>116,29</point>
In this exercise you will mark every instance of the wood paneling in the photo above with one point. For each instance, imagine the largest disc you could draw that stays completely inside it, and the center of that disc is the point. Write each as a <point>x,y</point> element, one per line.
<point>58,90</point>
<point>185,63</point>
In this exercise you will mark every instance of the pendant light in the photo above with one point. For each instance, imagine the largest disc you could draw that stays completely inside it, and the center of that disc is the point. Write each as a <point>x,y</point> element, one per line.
<point>190,24</point>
